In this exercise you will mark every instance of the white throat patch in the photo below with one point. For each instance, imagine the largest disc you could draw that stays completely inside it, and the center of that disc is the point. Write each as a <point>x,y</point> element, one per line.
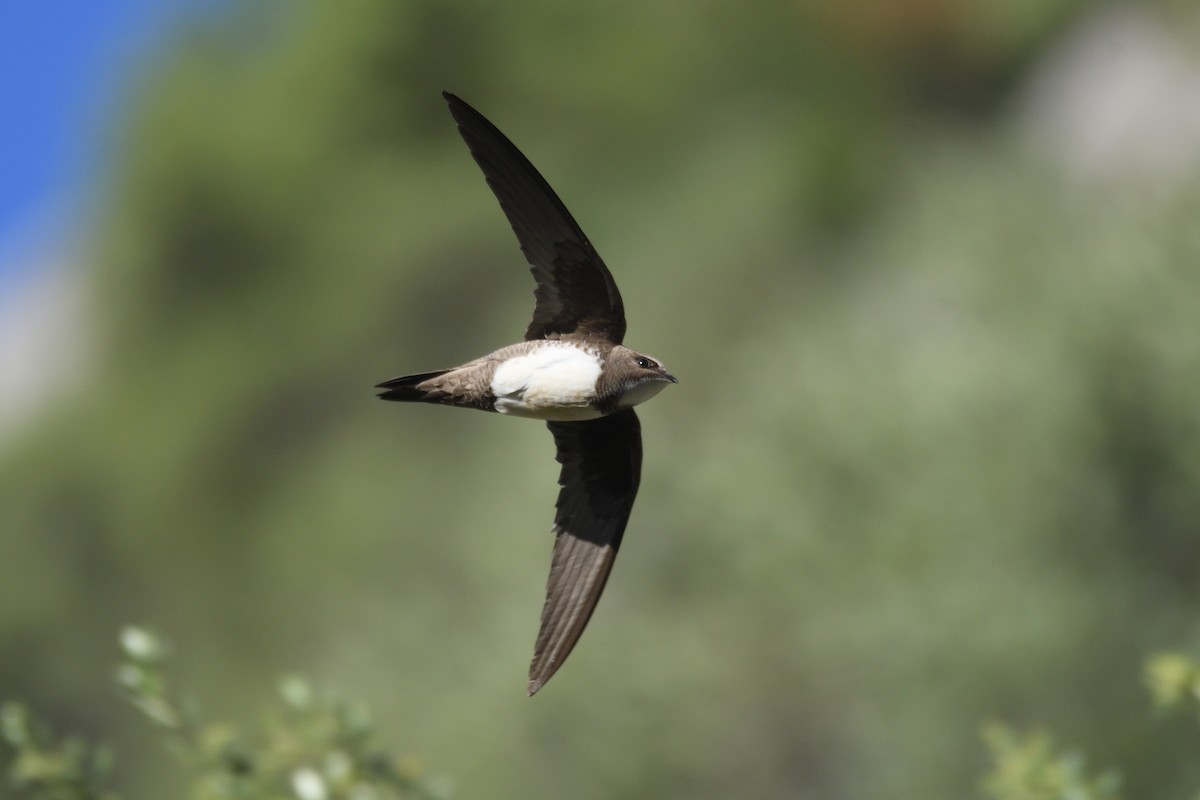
<point>641,393</point>
<point>555,381</point>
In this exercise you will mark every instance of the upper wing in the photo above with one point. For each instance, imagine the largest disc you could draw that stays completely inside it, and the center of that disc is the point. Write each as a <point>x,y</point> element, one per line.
<point>575,293</point>
<point>601,466</point>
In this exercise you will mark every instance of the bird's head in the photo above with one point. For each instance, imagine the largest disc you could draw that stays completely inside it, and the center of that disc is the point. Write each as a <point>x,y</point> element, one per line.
<point>638,376</point>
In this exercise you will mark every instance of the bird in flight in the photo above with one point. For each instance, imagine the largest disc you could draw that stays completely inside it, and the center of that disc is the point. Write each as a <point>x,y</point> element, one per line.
<point>571,371</point>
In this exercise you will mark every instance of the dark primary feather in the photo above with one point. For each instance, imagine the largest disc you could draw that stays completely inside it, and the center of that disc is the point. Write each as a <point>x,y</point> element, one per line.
<point>575,292</point>
<point>601,467</point>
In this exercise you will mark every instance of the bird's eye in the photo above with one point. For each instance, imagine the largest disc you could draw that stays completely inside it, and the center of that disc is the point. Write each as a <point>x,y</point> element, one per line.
<point>645,363</point>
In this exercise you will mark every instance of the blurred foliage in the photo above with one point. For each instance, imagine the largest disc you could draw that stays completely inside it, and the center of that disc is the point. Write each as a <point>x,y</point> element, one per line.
<point>1174,681</point>
<point>315,746</point>
<point>320,747</point>
<point>929,462</point>
<point>36,766</point>
<point>1029,768</point>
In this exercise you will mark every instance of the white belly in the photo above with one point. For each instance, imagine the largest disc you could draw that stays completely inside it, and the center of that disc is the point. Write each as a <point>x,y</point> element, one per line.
<point>556,381</point>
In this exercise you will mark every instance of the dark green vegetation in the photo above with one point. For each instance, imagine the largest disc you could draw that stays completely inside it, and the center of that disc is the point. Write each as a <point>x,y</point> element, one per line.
<point>931,461</point>
<point>313,745</point>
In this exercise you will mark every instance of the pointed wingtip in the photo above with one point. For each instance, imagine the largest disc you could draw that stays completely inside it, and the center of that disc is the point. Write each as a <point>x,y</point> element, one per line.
<point>540,673</point>
<point>460,110</point>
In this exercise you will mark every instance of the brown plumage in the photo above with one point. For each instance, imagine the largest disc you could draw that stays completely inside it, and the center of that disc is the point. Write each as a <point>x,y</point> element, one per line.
<point>576,295</point>
<point>601,468</point>
<point>571,371</point>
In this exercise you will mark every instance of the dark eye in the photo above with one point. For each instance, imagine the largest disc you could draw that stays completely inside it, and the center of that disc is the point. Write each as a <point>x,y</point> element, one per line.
<point>646,363</point>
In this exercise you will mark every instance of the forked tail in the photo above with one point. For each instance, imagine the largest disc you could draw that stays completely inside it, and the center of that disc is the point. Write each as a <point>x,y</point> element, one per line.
<point>448,387</point>
<point>405,389</point>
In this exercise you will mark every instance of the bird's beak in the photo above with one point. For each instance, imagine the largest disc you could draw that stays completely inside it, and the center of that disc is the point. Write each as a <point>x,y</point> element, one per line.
<point>670,377</point>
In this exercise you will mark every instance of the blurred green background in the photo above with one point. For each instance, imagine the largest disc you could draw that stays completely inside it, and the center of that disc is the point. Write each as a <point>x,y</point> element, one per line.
<point>927,271</point>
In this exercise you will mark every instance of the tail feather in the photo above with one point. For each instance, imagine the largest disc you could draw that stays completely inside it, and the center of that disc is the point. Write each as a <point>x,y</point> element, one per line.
<point>448,387</point>
<point>405,388</point>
